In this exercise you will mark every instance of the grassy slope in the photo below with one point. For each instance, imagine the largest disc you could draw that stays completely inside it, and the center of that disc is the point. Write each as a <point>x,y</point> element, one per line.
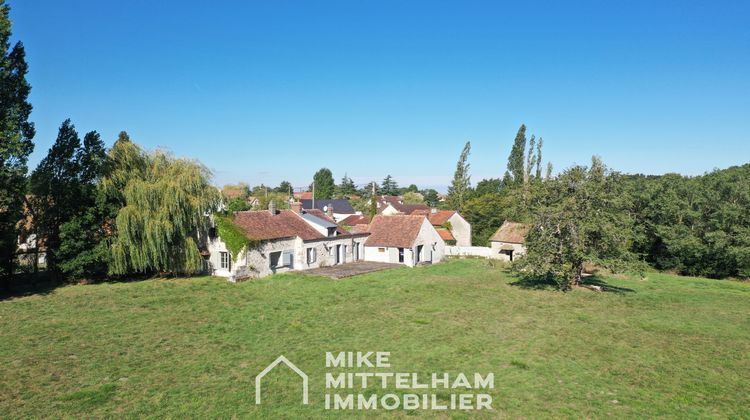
<point>672,347</point>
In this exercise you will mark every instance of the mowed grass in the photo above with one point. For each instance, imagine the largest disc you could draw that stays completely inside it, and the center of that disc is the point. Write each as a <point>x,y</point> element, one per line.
<point>670,347</point>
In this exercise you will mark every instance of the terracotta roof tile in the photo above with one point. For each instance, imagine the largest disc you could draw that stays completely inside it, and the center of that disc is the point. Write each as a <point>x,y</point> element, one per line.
<point>445,234</point>
<point>511,232</point>
<point>395,231</point>
<point>262,225</point>
<point>354,219</point>
<point>440,217</point>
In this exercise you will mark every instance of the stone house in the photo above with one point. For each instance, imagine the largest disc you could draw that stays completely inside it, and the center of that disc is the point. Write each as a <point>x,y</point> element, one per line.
<point>403,239</point>
<point>508,241</point>
<point>453,228</point>
<point>288,240</point>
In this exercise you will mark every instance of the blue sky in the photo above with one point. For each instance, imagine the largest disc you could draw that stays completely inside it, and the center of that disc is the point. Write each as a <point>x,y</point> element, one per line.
<point>273,90</point>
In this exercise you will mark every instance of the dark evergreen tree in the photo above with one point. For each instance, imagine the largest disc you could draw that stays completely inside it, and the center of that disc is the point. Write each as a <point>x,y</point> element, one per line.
<point>285,187</point>
<point>347,188</point>
<point>57,189</point>
<point>389,186</point>
<point>431,197</point>
<point>16,134</point>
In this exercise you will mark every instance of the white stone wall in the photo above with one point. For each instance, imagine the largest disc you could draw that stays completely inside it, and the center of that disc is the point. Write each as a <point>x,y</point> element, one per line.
<point>257,262</point>
<point>432,247</point>
<point>461,230</point>
<point>518,249</point>
<point>431,241</point>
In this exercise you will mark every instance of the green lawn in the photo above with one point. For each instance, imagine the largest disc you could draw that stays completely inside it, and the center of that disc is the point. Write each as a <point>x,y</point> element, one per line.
<point>668,346</point>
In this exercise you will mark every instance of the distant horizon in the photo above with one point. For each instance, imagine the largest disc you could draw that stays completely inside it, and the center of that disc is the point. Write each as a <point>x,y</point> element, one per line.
<point>266,92</point>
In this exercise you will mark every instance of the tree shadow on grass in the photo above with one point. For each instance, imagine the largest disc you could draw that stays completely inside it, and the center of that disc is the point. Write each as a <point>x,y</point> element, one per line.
<point>593,283</point>
<point>605,287</point>
<point>28,284</point>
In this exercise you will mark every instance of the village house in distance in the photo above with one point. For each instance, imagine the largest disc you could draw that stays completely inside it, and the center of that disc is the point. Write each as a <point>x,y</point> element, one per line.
<point>299,239</point>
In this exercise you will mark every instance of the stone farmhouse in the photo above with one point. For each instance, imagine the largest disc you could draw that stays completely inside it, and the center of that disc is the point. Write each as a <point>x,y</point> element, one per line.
<point>403,239</point>
<point>294,239</point>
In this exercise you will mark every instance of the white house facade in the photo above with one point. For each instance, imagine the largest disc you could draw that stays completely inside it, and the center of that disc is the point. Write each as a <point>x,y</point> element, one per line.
<point>288,240</point>
<point>403,239</point>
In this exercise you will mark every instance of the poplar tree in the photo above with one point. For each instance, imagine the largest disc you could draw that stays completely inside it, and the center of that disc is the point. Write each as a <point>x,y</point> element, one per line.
<point>539,159</point>
<point>163,215</point>
<point>16,134</point>
<point>461,185</point>
<point>530,160</point>
<point>515,172</point>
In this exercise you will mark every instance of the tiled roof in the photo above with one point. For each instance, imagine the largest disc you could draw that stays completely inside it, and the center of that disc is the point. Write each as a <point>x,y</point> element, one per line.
<point>394,231</point>
<point>261,225</point>
<point>440,217</point>
<point>408,209</point>
<point>511,232</point>
<point>360,228</point>
<point>307,195</point>
<point>340,206</point>
<point>445,234</point>
<point>354,219</point>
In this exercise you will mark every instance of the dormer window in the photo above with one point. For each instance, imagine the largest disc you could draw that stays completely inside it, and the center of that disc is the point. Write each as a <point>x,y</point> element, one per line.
<point>331,232</point>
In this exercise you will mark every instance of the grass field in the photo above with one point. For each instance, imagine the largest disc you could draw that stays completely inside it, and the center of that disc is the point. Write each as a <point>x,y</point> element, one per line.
<point>664,346</point>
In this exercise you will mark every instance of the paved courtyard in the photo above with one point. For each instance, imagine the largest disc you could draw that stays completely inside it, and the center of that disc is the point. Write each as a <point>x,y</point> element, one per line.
<point>350,269</point>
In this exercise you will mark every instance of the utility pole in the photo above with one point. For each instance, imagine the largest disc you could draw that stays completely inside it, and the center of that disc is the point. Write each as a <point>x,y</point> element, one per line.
<point>313,203</point>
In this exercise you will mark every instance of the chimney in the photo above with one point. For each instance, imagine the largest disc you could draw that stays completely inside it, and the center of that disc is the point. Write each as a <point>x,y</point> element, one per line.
<point>433,210</point>
<point>272,208</point>
<point>329,210</point>
<point>297,207</point>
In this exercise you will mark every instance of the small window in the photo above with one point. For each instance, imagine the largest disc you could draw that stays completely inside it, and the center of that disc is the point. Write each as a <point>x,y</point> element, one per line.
<point>312,255</point>
<point>332,251</point>
<point>331,232</point>
<point>274,259</point>
<point>224,263</point>
<point>381,249</point>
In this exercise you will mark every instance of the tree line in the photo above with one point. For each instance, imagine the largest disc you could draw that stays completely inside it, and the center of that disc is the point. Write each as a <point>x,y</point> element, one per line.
<point>592,214</point>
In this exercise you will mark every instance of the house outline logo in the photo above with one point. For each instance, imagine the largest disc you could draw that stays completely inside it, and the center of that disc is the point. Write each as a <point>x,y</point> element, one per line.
<point>281,359</point>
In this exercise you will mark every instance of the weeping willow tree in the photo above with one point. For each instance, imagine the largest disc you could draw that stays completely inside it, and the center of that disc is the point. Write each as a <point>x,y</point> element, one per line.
<point>163,206</point>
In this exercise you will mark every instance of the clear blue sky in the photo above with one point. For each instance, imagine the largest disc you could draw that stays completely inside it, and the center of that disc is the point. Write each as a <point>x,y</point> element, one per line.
<point>272,90</point>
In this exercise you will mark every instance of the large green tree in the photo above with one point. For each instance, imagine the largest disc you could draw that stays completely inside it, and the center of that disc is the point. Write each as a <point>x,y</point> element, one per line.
<point>164,203</point>
<point>582,219</point>
<point>56,185</point>
<point>83,252</point>
<point>16,134</point>
<point>324,185</point>
<point>389,186</point>
<point>460,187</point>
<point>347,188</point>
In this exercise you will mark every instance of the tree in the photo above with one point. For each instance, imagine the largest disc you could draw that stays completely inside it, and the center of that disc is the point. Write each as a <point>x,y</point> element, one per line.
<point>539,159</point>
<point>58,189</point>
<point>411,187</point>
<point>324,185</point>
<point>347,188</point>
<point>431,197</point>
<point>488,186</point>
<point>515,171</point>
<point>164,205</point>
<point>411,197</point>
<point>285,187</point>
<point>389,186</point>
<point>530,160</point>
<point>83,250</point>
<point>16,134</point>
<point>582,220</point>
<point>459,189</point>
